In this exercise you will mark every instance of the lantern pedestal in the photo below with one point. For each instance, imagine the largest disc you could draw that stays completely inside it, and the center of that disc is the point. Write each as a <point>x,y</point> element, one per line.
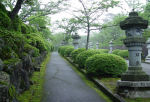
<point>134,83</point>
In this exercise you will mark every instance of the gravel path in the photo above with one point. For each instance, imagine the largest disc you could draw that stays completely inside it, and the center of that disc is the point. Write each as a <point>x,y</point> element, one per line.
<point>62,84</point>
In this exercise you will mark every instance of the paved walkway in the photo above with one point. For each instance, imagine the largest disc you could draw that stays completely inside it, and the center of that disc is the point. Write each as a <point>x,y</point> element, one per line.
<point>62,84</point>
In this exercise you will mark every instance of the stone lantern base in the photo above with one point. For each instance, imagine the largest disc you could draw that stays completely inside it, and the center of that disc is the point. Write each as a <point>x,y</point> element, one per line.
<point>134,89</point>
<point>134,83</point>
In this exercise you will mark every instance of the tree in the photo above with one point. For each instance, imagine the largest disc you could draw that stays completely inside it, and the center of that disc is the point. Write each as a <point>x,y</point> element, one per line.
<point>30,7</point>
<point>109,33</point>
<point>91,12</point>
<point>69,26</point>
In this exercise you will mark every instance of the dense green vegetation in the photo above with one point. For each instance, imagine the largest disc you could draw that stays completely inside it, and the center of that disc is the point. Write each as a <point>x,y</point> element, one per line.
<point>35,93</point>
<point>81,58</point>
<point>106,65</point>
<point>23,47</point>
<point>75,53</point>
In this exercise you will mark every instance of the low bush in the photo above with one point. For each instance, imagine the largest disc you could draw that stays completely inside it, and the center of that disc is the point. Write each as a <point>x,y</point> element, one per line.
<point>68,51</point>
<point>103,50</point>
<point>75,53</point>
<point>62,50</point>
<point>81,58</point>
<point>116,51</point>
<point>123,53</point>
<point>105,65</point>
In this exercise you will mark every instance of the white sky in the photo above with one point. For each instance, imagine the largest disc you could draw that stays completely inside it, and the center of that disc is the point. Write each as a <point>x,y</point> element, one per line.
<point>76,4</point>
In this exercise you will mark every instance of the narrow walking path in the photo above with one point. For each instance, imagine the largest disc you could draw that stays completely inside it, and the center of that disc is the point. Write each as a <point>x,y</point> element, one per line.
<point>62,84</point>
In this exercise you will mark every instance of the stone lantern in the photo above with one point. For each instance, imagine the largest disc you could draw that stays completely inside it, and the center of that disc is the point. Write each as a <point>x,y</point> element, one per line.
<point>63,43</point>
<point>76,38</point>
<point>148,47</point>
<point>90,45</point>
<point>110,46</point>
<point>135,82</point>
<point>97,45</point>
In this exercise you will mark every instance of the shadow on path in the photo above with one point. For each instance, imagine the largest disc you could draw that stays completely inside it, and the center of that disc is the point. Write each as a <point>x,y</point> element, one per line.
<point>62,84</point>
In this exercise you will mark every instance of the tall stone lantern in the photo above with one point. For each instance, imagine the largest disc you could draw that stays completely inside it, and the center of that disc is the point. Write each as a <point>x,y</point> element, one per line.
<point>76,38</point>
<point>97,45</point>
<point>148,47</point>
<point>135,82</point>
<point>110,46</point>
<point>63,43</point>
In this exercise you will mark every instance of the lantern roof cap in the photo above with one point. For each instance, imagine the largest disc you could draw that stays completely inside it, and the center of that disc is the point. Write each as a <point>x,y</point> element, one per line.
<point>133,21</point>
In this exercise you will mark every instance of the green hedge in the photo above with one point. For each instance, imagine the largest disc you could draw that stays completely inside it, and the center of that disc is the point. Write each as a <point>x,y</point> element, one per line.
<point>81,58</point>
<point>122,53</point>
<point>62,50</point>
<point>75,53</point>
<point>68,51</point>
<point>103,50</point>
<point>116,51</point>
<point>105,65</point>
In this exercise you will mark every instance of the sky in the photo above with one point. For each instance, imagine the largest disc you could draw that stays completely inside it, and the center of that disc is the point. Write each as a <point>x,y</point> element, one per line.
<point>75,4</point>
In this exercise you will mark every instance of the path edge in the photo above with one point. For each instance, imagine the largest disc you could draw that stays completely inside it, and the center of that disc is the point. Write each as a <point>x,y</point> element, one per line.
<point>114,97</point>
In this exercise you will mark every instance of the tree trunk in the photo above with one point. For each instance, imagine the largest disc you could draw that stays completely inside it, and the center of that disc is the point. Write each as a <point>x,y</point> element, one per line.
<point>88,35</point>
<point>16,9</point>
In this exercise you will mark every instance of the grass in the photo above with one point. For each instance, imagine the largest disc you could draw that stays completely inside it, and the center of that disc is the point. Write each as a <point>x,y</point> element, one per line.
<point>90,83</point>
<point>110,83</point>
<point>34,94</point>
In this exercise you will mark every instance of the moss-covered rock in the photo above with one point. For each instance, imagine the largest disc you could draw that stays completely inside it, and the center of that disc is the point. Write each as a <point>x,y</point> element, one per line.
<point>31,50</point>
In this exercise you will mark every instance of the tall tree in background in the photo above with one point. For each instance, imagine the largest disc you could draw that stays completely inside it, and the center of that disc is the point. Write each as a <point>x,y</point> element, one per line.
<point>31,7</point>
<point>91,12</point>
<point>69,26</point>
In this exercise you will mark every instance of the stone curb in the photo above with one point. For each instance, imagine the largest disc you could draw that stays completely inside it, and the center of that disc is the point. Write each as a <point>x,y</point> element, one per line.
<point>114,97</point>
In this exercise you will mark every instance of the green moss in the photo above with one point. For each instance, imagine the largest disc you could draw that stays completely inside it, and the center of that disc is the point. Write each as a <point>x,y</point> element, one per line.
<point>12,92</point>
<point>34,94</point>
<point>110,83</point>
<point>28,48</point>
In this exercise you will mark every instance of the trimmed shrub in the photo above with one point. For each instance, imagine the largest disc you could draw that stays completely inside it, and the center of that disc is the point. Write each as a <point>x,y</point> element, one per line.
<point>109,65</point>
<point>68,51</point>
<point>115,51</point>
<point>62,49</point>
<point>123,53</point>
<point>103,50</point>
<point>76,52</point>
<point>81,58</point>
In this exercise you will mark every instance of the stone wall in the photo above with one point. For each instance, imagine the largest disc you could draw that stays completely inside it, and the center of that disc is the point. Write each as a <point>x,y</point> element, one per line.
<point>18,75</point>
